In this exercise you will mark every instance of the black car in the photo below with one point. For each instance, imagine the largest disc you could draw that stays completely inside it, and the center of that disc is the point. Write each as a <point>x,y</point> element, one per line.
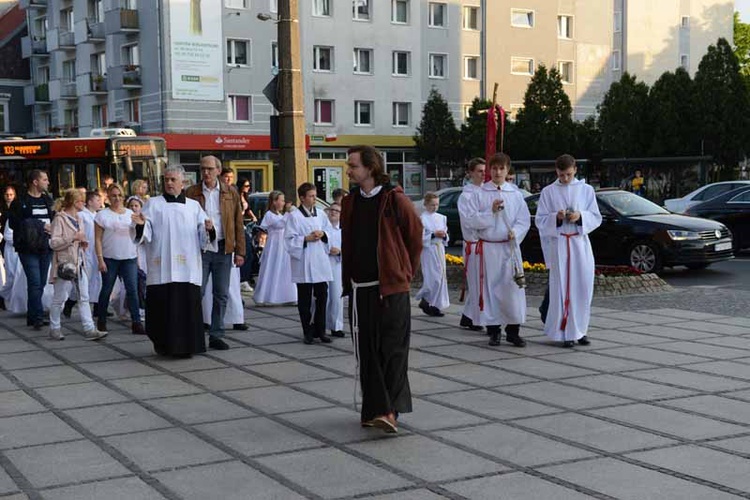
<point>639,233</point>
<point>731,209</point>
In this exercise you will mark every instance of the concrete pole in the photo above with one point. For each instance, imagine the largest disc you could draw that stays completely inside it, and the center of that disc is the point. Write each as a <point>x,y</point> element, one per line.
<point>292,154</point>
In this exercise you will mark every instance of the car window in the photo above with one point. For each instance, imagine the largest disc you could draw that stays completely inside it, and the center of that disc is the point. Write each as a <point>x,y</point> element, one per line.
<point>449,200</point>
<point>713,192</point>
<point>603,209</point>
<point>629,204</point>
<point>741,198</point>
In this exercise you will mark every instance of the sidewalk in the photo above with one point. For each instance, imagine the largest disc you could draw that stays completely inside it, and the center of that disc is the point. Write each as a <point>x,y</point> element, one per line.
<point>657,407</point>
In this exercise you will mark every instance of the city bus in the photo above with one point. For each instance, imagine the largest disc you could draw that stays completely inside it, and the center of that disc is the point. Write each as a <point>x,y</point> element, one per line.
<point>84,161</point>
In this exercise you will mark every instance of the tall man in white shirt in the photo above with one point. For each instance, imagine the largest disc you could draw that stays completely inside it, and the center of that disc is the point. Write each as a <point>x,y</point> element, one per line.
<point>222,205</point>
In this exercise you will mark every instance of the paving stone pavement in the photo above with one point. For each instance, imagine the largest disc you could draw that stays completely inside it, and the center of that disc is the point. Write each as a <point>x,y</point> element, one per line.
<point>657,407</point>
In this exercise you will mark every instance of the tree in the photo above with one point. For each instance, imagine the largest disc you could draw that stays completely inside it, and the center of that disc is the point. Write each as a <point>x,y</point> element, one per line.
<point>544,127</point>
<point>624,118</point>
<point>587,141</point>
<point>722,105</point>
<point>437,138</point>
<point>742,46</point>
<point>673,115</point>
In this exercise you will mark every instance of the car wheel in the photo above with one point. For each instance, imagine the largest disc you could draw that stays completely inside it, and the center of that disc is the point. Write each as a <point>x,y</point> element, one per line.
<point>697,267</point>
<point>644,256</point>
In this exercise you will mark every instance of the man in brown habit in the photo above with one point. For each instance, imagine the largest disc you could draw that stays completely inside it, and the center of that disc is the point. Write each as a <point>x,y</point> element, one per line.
<point>381,245</point>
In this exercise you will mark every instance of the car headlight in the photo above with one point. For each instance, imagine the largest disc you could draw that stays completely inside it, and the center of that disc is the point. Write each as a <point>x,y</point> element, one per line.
<point>683,235</point>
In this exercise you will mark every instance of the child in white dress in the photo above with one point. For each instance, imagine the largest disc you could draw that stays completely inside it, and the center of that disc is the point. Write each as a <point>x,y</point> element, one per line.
<point>433,296</point>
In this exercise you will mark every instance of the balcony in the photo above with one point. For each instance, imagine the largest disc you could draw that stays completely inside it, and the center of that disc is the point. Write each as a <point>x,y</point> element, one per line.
<point>121,21</point>
<point>68,90</point>
<point>98,83</point>
<point>34,46</point>
<point>66,40</point>
<point>124,77</point>
<point>96,30</point>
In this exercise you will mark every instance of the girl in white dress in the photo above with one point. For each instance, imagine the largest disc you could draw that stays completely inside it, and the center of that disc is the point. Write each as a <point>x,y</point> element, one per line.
<point>433,296</point>
<point>274,284</point>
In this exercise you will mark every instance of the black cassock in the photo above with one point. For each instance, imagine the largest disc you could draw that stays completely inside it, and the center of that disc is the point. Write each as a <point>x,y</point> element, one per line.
<point>174,319</point>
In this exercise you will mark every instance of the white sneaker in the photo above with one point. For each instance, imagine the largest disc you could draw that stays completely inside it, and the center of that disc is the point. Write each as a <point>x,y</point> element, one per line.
<point>245,287</point>
<point>94,334</point>
<point>56,334</point>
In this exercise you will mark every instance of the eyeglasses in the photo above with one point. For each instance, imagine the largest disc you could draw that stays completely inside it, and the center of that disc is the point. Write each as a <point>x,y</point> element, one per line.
<point>246,185</point>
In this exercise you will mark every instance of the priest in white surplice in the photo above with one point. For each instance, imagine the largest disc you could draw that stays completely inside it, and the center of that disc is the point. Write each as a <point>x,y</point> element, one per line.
<point>174,229</point>
<point>566,214</point>
<point>503,222</point>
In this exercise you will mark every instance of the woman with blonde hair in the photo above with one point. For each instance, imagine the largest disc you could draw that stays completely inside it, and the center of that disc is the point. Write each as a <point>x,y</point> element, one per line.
<point>68,243</point>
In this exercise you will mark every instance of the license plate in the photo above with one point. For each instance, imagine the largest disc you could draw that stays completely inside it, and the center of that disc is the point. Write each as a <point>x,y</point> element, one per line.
<point>720,247</point>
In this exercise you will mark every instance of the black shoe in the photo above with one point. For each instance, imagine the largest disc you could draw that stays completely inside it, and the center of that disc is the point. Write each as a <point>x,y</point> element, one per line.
<point>42,322</point>
<point>2,304</point>
<point>424,306</point>
<point>495,339</point>
<point>584,340</point>
<point>101,325</point>
<point>516,341</point>
<point>38,325</point>
<point>240,326</point>
<point>68,308</point>
<point>308,340</point>
<point>206,327</point>
<point>568,344</point>
<point>218,344</point>
<point>325,339</point>
<point>137,328</point>
<point>466,322</point>
<point>337,333</point>
<point>434,311</point>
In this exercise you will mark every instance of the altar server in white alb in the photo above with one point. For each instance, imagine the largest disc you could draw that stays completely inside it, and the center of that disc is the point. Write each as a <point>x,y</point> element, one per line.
<point>335,306</point>
<point>503,222</point>
<point>566,214</point>
<point>306,240</point>
<point>433,296</point>
<point>274,285</point>
<point>174,230</point>
<point>467,212</point>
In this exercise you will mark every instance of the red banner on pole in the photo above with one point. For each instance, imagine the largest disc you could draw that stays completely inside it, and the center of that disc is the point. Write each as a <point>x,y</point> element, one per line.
<point>490,147</point>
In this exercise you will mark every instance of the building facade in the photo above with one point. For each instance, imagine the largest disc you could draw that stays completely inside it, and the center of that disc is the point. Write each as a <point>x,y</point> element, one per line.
<point>194,71</point>
<point>15,117</point>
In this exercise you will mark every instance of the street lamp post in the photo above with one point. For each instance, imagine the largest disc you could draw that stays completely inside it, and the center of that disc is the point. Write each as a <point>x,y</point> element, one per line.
<point>292,153</point>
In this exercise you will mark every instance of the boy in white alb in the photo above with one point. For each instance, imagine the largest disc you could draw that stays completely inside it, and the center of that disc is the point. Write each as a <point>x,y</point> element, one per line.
<point>335,307</point>
<point>503,222</point>
<point>468,211</point>
<point>433,296</point>
<point>566,214</point>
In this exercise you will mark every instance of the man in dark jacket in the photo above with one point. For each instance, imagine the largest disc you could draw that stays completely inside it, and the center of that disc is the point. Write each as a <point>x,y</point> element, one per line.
<point>30,217</point>
<point>380,227</point>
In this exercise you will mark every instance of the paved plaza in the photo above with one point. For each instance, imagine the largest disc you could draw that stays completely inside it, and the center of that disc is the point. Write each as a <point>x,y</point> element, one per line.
<point>657,407</point>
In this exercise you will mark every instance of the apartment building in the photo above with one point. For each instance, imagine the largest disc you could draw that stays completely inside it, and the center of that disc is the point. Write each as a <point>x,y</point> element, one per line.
<point>194,71</point>
<point>15,118</point>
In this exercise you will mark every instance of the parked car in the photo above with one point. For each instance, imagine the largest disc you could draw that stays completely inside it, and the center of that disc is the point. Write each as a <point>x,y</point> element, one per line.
<point>731,209</point>
<point>639,233</point>
<point>449,208</point>
<point>704,193</point>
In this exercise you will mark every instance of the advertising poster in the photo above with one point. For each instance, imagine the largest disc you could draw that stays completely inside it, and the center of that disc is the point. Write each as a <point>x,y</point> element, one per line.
<point>413,177</point>
<point>196,50</point>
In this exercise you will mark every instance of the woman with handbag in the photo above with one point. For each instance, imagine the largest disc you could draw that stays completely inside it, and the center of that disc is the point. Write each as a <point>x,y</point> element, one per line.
<point>68,243</point>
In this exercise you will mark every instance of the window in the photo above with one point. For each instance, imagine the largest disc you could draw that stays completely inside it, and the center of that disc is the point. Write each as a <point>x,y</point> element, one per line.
<point>522,18</point>
<point>684,62</point>
<point>565,68</point>
<point>67,21</point>
<point>99,64</point>
<point>96,11</point>
<point>42,75</point>
<point>438,15</point>
<point>130,55</point>
<point>437,65</point>
<point>133,111</point>
<point>70,117</point>
<point>514,109</point>
<point>274,55</point>
<point>521,66</point>
<point>565,27</point>
<point>40,28</point>
<point>467,111</point>
<point>615,60</point>
<point>401,114</point>
<point>743,197</point>
<point>238,52</point>
<point>4,115</point>
<point>618,21</point>
<point>400,11</point>
<point>361,10</point>
<point>322,8</point>
<point>471,67</point>
<point>237,4</point>
<point>363,112</point>
<point>99,116</point>
<point>239,107</point>
<point>471,18</point>
<point>323,112</point>
<point>401,63</point>
<point>363,61</point>
<point>322,58</point>
<point>685,22</point>
<point>273,6</point>
<point>69,71</point>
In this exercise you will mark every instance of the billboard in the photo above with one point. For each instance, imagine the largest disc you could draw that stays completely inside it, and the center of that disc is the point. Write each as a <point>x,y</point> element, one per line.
<point>196,50</point>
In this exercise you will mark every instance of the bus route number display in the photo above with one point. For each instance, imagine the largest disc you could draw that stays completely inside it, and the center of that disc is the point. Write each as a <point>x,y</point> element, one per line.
<point>26,149</point>
<point>136,149</point>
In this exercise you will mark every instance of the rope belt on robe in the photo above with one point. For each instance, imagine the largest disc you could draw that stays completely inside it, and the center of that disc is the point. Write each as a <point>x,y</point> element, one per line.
<point>467,251</point>
<point>566,304</point>
<point>355,331</point>
<point>480,255</point>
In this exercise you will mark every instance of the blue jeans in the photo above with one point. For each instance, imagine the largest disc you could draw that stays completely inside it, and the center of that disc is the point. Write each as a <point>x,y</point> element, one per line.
<point>36,267</point>
<point>219,266</point>
<point>127,270</point>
